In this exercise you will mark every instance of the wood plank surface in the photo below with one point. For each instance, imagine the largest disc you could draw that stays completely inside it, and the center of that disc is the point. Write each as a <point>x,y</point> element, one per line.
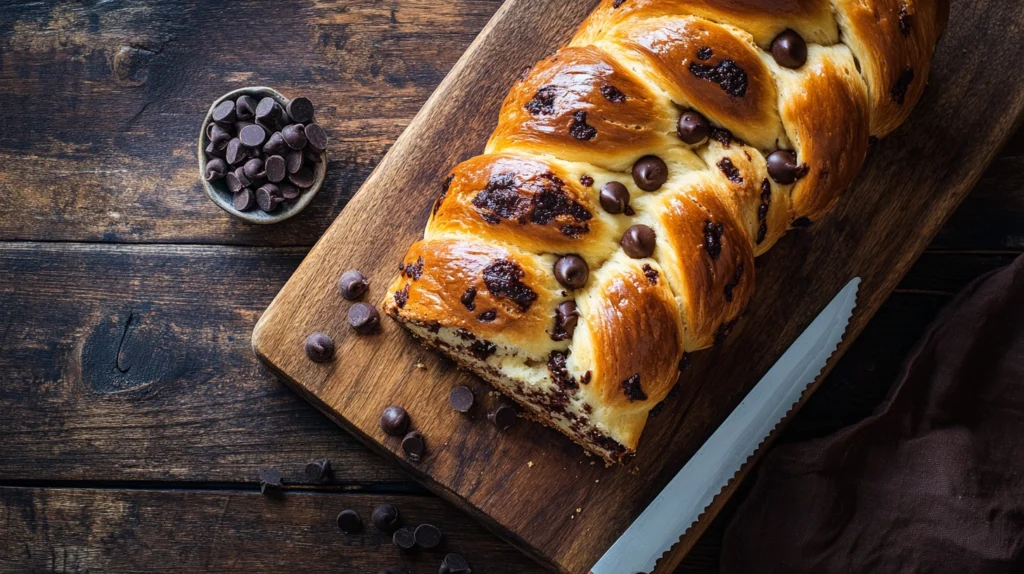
<point>85,530</point>
<point>565,511</point>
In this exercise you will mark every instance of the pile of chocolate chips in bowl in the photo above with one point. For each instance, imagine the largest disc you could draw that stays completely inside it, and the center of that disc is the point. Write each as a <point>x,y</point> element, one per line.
<point>266,153</point>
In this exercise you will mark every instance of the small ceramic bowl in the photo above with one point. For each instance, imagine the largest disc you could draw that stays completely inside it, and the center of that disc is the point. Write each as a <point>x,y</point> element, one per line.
<point>218,191</point>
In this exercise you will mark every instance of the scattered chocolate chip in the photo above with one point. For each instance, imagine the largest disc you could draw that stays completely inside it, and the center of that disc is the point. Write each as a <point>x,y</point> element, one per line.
<point>468,297</point>
<point>650,173</point>
<point>899,89</point>
<point>235,152</point>
<point>252,136</point>
<point>294,160</point>
<point>270,480</point>
<point>789,50</point>
<point>580,129</point>
<point>295,136</point>
<point>487,316</point>
<point>614,197</point>
<point>269,111</point>
<point>503,416</point>
<point>244,200</point>
<point>586,180</point>
<point>394,420</point>
<point>704,53</point>
<point>303,178</point>
<point>731,172</point>
<point>631,387</point>
<point>692,127</point>
<point>638,241</point>
<point>316,138</point>
<point>385,517</point>
<point>319,347</point>
<point>566,318</point>
<point>352,284</point>
<point>404,539</point>
<point>427,536</point>
<point>461,399</point>
<point>349,521</point>
<point>275,144</point>
<point>216,169</point>
<point>224,113</point>
<point>364,318</point>
<point>572,271</point>
<point>783,167</point>
<point>612,94</point>
<point>318,470</point>
<point>275,168</point>
<point>300,110</point>
<point>454,564</point>
<point>414,447</point>
<point>713,239</point>
<point>727,74</point>
<point>245,108</point>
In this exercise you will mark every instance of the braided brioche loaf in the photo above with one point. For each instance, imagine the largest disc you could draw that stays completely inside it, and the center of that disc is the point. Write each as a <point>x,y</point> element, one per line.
<point>612,223</point>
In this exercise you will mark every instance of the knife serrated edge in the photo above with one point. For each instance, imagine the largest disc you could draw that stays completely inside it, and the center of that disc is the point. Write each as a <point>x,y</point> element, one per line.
<point>846,299</point>
<point>749,462</point>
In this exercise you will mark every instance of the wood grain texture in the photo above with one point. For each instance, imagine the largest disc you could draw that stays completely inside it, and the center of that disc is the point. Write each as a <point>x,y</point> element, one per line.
<point>913,181</point>
<point>84,530</point>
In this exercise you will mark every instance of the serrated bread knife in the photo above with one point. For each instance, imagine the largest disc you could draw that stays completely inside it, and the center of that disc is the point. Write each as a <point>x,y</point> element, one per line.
<point>695,487</point>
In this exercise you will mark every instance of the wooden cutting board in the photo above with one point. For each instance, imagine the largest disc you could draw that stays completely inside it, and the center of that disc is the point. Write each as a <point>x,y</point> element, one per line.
<point>531,485</point>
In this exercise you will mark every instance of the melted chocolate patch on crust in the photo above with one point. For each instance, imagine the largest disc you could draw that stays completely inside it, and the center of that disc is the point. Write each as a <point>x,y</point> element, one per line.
<point>713,239</point>
<point>722,136</point>
<point>502,279</point>
<point>559,373</point>
<point>736,276</point>
<point>899,89</point>
<point>631,387</point>
<point>487,316</point>
<point>723,330</point>
<point>612,94</point>
<point>762,210</point>
<point>467,298</point>
<point>540,200</point>
<point>730,170</point>
<point>727,74</point>
<point>543,102</point>
<point>402,297</point>
<point>580,129</point>
<point>414,271</point>
<point>905,20</point>
<point>651,274</point>
<point>483,349</point>
<point>704,53</point>
<point>444,192</point>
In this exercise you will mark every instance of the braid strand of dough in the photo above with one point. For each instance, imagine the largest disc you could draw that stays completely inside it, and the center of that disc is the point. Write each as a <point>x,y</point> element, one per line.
<point>577,261</point>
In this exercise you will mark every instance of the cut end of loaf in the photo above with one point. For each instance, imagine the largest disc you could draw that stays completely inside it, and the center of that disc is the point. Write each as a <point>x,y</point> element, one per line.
<point>524,381</point>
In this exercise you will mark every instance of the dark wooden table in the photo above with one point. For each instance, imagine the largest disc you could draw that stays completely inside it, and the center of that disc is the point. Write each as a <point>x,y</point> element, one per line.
<point>133,414</point>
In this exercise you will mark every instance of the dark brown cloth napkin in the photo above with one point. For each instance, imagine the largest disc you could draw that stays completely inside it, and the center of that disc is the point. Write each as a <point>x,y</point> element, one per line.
<point>932,482</point>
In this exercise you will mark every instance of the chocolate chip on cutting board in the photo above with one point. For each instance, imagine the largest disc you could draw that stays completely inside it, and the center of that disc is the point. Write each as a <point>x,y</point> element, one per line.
<point>349,521</point>
<point>404,539</point>
<point>318,470</point>
<point>352,284</point>
<point>364,318</point>
<point>385,517</point>
<point>461,399</point>
<point>414,446</point>
<point>427,536</point>
<point>273,143</point>
<point>319,348</point>
<point>454,564</point>
<point>394,420</point>
<point>503,416</point>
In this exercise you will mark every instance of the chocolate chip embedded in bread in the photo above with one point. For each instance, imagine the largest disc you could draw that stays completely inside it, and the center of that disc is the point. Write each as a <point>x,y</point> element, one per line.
<point>639,241</point>
<point>899,89</point>
<point>631,387</point>
<point>727,74</point>
<point>468,297</point>
<point>651,274</point>
<point>461,398</point>
<point>692,127</point>
<point>650,173</point>
<point>783,167</point>
<point>614,197</point>
<point>572,271</point>
<point>762,211</point>
<point>612,94</point>
<point>394,420</point>
<point>566,317</point>
<point>319,347</point>
<point>503,279</point>
<point>789,50</point>
<point>713,239</point>
<point>731,172</point>
<point>580,129</point>
<point>414,446</point>
<point>586,180</point>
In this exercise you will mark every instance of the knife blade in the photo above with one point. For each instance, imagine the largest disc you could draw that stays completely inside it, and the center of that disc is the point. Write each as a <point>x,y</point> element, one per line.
<point>679,505</point>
